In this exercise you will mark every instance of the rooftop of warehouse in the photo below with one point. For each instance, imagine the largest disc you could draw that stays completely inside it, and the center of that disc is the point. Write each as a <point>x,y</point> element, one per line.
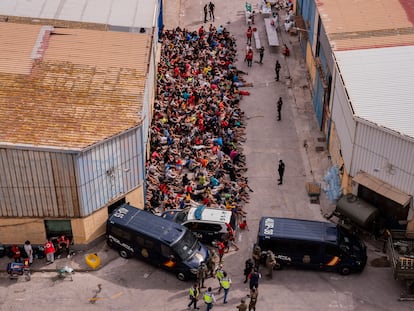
<point>355,24</point>
<point>69,88</point>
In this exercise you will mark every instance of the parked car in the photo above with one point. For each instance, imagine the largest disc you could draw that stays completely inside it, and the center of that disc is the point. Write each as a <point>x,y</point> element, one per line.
<point>208,224</point>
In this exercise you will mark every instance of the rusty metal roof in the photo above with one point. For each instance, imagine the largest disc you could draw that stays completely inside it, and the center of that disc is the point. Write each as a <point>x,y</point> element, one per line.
<point>69,88</point>
<point>354,24</point>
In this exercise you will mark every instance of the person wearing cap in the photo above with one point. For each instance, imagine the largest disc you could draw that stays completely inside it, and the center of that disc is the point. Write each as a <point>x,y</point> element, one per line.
<point>242,306</point>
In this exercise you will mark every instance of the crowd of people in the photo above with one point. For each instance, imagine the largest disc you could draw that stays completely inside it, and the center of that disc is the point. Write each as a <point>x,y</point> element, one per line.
<point>197,131</point>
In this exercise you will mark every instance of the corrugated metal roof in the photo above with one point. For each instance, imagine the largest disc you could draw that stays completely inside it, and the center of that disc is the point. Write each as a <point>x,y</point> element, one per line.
<point>80,87</point>
<point>126,13</point>
<point>355,24</point>
<point>379,83</point>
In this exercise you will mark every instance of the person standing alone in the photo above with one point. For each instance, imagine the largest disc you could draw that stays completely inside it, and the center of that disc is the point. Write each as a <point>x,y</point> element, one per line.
<point>249,34</point>
<point>281,171</point>
<point>279,109</point>
<point>277,70</point>
<point>261,53</point>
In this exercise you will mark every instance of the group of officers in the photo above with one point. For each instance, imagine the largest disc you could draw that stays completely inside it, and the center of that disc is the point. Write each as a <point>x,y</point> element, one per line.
<point>251,273</point>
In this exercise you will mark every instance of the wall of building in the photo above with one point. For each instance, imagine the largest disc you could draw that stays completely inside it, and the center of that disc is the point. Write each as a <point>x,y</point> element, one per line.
<point>342,119</point>
<point>18,230</point>
<point>336,158</point>
<point>38,183</point>
<point>136,197</point>
<point>84,230</point>
<point>385,155</point>
<point>110,169</point>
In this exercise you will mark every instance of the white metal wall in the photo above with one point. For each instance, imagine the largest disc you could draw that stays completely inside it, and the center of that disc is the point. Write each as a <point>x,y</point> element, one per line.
<point>384,155</point>
<point>109,170</point>
<point>342,117</point>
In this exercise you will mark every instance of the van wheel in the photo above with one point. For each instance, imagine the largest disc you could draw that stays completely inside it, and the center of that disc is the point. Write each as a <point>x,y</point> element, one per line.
<point>181,276</point>
<point>345,270</point>
<point>109,243</point>
<point>125,254</point>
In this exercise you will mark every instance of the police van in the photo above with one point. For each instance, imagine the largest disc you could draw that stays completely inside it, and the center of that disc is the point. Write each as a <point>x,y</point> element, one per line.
<point>208,224</point>
<point>134,232</point>
<point>312,244</point>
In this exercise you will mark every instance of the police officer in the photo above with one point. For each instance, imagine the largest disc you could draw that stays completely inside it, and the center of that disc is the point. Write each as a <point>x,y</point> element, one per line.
<point>270,263</point>
<point>211,263</point>
<point>209,298</point>
<point>242,306</point>
<point>248,268</point>
<point>257,254</point>
<point>225,284</point>
<point>201,274</point>
<point>194,293</point>
<point>279,109</point>
<point>219,276</point>
<point>254,293</point>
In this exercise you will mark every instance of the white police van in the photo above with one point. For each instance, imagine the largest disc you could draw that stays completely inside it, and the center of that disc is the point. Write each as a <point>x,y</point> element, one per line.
<point>208,224</point>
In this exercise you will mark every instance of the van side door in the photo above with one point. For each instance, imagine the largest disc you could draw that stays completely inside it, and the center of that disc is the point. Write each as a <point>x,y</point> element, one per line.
<point>147,249</point>
<point>333,257</point>
<point>308,255</point>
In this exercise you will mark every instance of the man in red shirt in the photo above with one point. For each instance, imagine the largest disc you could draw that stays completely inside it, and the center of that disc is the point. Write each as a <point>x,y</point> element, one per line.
<point>63,244</point>
<point>220,246</point>
<point>16,253</point>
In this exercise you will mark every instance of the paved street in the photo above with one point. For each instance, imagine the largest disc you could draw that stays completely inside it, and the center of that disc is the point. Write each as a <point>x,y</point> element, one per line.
<point>134,285</point>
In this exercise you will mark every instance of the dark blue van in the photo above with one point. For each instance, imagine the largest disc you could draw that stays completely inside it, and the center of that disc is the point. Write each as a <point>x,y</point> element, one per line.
<point>312,244</point>
<point>134,232</point>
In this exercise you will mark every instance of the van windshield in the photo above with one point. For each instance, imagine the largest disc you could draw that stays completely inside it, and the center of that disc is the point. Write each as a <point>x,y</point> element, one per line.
<point>181,216</point>
<point>349,243</point>
<point>186,246</point>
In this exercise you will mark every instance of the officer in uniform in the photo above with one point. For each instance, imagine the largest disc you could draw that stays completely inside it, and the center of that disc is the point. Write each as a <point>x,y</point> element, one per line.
<point>219,276</point>
<point>242,306</point>
<point>225,284</point>
<point>209,298</point>
<point>257,254</point>
<point>270,263</point>
<point>253,298</point>
<point>202,274</point>
<point>194,293</point>
<point>211,263</point>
